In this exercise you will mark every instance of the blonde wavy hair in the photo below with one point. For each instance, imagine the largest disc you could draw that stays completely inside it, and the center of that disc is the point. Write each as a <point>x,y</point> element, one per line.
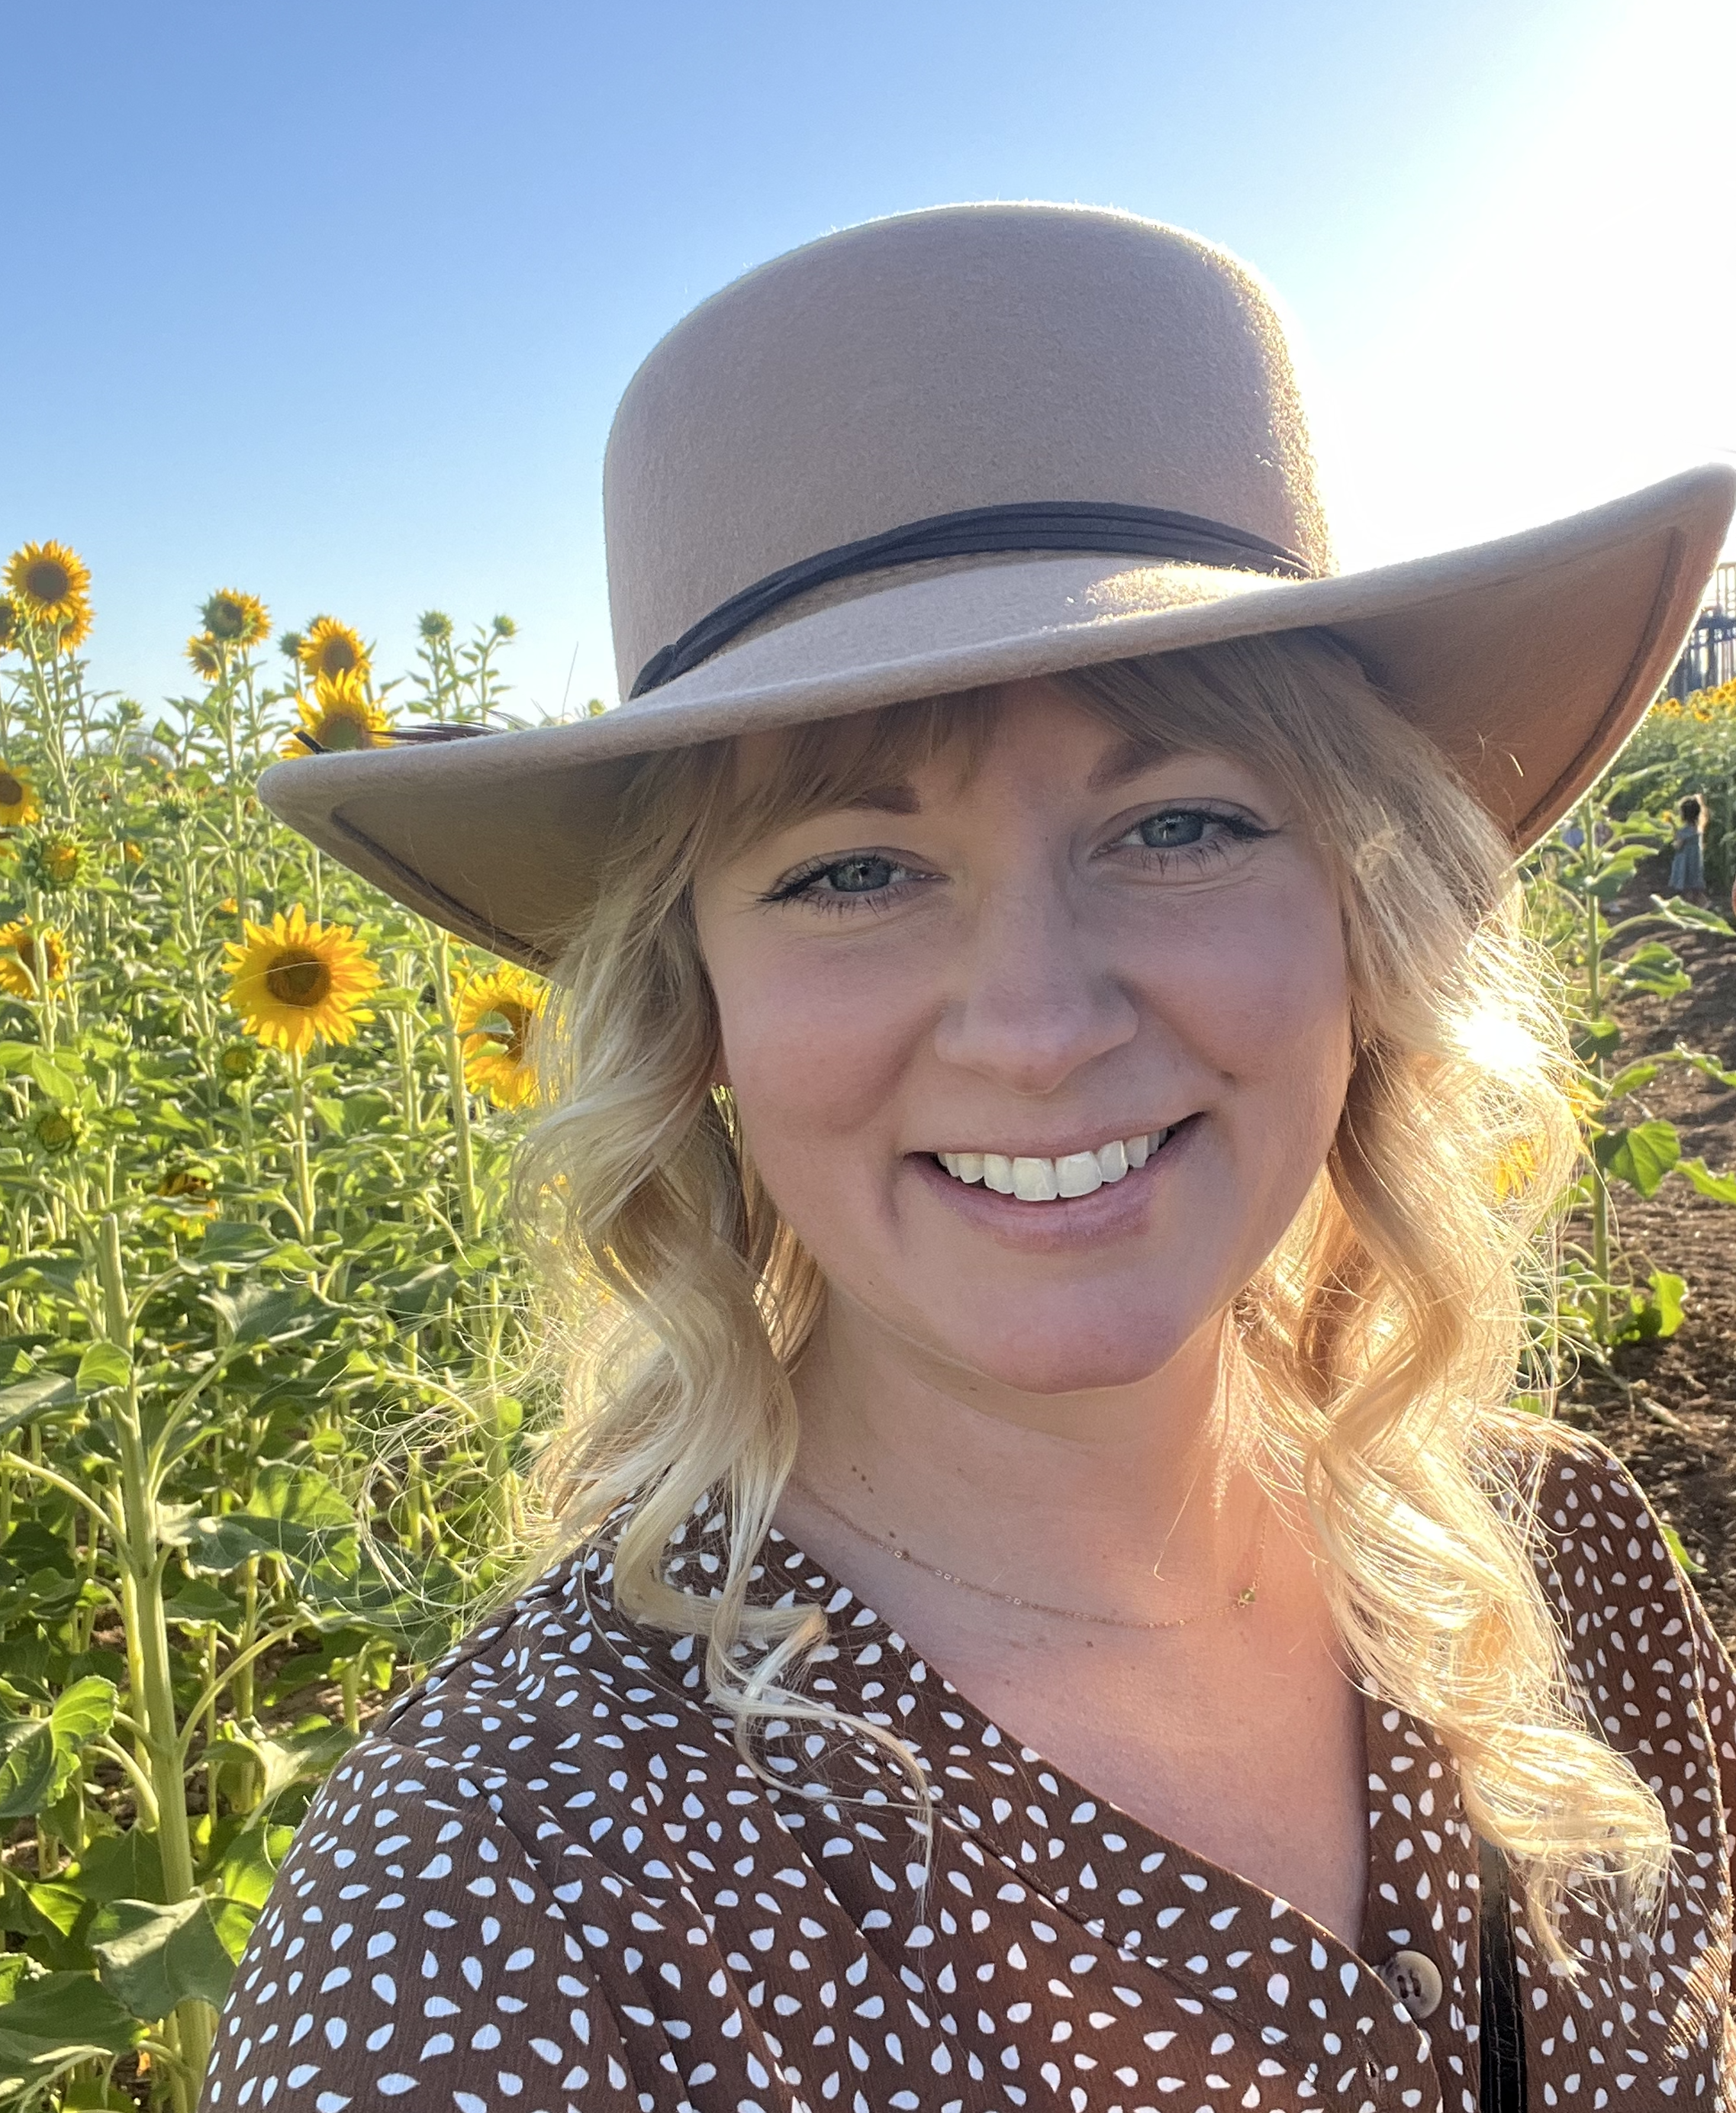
<point>1381,1341</point>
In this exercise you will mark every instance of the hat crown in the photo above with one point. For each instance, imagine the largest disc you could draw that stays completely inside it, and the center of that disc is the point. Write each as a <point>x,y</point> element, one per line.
<point>966,356</point>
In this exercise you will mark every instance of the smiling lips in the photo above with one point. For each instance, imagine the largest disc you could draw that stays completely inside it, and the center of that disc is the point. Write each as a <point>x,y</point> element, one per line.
<point>1052,1180</point>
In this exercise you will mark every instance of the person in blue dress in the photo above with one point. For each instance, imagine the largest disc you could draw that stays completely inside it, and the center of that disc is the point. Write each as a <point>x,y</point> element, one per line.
<point>1688,868</point>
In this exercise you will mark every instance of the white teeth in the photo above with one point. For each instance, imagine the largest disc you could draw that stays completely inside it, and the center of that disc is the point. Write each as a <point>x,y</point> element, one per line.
<point>1078,1174</point>
<point>1035,1181</point>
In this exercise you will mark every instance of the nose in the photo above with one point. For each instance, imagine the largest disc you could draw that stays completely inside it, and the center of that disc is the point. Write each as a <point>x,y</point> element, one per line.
<point>1036,1000</point>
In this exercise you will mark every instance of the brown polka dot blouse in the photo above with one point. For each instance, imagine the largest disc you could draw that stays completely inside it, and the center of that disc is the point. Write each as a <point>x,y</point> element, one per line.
<point>547,1882</point>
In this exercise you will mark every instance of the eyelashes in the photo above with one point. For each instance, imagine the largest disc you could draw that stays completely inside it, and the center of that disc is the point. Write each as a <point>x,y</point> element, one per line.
<point>1185,838</point>
<point>1196,832</point>
<point>862,879</point>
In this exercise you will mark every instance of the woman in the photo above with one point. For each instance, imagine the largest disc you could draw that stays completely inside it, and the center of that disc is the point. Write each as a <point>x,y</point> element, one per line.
<point>1056,1110</point>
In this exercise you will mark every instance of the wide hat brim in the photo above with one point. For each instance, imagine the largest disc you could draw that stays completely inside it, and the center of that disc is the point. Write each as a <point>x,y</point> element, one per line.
<point>1528,660</point>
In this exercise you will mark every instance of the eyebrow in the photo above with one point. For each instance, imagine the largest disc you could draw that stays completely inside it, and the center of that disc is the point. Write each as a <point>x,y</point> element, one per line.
<point>1128,759</point>
<point>899,799</point>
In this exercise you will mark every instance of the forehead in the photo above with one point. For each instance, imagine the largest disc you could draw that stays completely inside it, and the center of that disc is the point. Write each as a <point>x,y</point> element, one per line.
<point>897,760</point>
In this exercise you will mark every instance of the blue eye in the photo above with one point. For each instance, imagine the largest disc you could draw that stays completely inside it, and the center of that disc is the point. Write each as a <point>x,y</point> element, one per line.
<point>1174,831</point>
<point>858,876</point>
<point>875,877</point>
<point>1186,838</point>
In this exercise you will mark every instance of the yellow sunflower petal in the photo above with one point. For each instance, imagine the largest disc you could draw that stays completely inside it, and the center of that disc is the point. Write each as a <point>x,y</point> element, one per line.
<point>341,715</point>
<point>328,647</point>
<point>49,586</point>
<point>25,954</point>
<point>495,1013</point>
<point>205,654</point>
<point>19,804</point>
<point>295,983</point>
<point>236,618</point>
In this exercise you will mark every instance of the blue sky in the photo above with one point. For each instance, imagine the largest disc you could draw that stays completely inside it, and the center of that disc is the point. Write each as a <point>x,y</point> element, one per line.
<point>333,301</point>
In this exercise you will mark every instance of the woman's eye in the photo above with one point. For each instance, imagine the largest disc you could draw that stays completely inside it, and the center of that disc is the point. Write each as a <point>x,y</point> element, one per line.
<point>1171,831</point>
<point>859,876</point>
<point>827,882</point>
<point>1193,834</point>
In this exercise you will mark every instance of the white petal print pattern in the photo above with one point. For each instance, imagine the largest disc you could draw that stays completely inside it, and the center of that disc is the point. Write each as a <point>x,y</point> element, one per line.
<point>549,1883</point>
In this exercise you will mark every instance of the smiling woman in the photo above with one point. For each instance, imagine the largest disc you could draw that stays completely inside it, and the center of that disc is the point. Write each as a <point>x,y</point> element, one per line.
<point>1050,1115</point>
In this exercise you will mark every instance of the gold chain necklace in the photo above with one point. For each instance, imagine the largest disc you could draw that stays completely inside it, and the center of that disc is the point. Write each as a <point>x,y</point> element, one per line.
<point>1245,1598</point>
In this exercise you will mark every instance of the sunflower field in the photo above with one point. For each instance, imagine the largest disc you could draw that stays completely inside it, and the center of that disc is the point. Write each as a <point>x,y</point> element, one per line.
<point>261,1436</point>
<point>264,1420</point>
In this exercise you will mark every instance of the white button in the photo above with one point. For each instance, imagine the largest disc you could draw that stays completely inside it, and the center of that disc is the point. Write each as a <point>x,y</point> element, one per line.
<point>1414,1978</point>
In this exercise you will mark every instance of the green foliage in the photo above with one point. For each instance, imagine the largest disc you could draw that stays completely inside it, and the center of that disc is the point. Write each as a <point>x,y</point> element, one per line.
<point>1588,869</point>
<point>262,1434</point>
<point>1691,747</point>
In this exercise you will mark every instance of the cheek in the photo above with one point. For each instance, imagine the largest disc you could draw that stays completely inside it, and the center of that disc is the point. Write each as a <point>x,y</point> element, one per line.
<point>812,1048</point>
<point>1271,982</point>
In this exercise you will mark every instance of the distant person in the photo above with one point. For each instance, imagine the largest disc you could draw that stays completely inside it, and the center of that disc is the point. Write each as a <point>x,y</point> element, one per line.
<point>1055,1610</point>
<point>1688,868</point>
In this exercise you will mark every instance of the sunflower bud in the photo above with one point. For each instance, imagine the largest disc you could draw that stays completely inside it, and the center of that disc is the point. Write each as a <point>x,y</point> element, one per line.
<point>57,1131</point>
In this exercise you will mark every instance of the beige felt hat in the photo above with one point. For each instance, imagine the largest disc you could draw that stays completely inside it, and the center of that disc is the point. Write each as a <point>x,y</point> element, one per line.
<point>983,442</point>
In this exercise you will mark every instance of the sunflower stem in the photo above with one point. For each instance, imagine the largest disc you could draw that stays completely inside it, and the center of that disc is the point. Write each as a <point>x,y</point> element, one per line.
<point>38,968</point>
<point>304,1165</point>
<point>464,1152</point>
<point>142,1562</point>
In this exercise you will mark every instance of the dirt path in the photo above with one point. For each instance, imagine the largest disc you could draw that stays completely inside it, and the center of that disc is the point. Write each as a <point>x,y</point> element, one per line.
<point>1670,1411</point>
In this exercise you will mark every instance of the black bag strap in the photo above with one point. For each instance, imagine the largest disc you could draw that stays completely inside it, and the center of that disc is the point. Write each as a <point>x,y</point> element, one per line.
<point>1503,2029</point>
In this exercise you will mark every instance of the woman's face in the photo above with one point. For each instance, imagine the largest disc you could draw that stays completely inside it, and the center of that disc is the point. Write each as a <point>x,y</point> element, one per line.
<point>1062,964</point>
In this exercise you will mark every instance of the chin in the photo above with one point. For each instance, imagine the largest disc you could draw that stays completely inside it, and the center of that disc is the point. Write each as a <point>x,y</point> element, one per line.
<point>1077,1360</point>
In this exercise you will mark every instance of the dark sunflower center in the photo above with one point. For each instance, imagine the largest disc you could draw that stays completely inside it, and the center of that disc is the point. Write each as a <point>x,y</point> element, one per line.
<point>297,979</point>
<point>343,730</point>
<point>48,580</point>
<point>226,618</point>
<point>337,656</point>
<point>506,1023</point>
<point>11,792</point>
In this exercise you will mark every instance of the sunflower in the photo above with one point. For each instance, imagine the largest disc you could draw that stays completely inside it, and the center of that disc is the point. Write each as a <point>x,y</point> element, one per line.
<point>328,647</point>
<point>24,953</point>
<point>495,1013</point>
<point>293,982</point>
<point>186,1183</point>
<point>57,859</point>
<point>50,586</point>
<point>341,715</point>
<point>236,618</point>
<point>56,1130</point>
<point>207,654</point>
<point>18,801</point>
<point>1514,1172</point>
<point>240,1059</point>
